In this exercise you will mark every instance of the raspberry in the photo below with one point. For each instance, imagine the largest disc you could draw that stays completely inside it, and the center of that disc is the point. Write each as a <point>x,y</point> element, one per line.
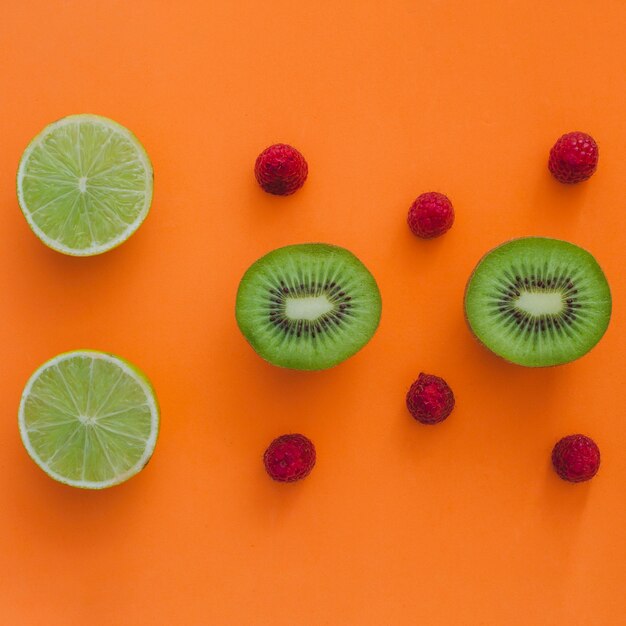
<point>573,158</point>
<point>429,399</point>
<point>431,215</point>
<point>576,458</point>
<point>280,169</point>
<point>289,458</point>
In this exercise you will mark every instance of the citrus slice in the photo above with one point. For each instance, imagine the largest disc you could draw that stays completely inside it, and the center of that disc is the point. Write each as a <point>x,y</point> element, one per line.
<point>84,185</point>
<point>89,419</point>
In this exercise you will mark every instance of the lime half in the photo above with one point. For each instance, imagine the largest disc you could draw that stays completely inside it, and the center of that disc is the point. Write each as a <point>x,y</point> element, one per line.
<point>84,185</point>
<point>89,419</point>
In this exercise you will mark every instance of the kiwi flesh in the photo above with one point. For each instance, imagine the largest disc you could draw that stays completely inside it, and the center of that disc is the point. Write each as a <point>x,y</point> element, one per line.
<point>538,302</point>
<point>308,306</point>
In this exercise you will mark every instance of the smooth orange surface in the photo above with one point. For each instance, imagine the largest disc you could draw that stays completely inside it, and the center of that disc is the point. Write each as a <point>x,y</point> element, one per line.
<point>462,523</point>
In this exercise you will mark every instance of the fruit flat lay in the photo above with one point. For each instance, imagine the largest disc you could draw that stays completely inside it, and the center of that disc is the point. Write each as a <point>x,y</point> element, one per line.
<point>312,313</point>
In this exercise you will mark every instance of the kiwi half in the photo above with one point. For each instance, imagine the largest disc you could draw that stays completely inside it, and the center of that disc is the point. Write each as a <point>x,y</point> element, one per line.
<point>538,301</point>
<point>308,306</point>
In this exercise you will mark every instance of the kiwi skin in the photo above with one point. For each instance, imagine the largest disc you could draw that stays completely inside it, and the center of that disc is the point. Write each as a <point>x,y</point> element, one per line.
<point>467,284</point>
<point>469,280</point>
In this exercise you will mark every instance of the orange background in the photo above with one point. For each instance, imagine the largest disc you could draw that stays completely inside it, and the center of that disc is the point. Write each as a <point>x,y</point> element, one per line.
<point>463,523</point>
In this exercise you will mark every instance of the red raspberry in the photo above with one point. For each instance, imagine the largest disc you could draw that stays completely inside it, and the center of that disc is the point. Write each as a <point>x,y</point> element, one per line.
<point>431,215</point>
<point>289,458</point>
<point>576,458</point>
<point>429,399</point>
<point>280,169</point>
<point>573,158</point>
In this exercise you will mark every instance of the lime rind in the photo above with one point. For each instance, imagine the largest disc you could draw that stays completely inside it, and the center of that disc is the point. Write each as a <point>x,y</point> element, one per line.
<point>114,437</point>
<point>58,174</point>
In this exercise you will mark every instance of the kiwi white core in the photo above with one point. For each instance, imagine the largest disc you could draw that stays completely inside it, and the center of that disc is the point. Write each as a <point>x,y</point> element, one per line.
<point>307,308</point>
<point>546,303</point>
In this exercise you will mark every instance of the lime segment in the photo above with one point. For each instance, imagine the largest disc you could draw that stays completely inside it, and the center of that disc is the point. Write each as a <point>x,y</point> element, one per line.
<point>84,185</point>
<point>89,419</point>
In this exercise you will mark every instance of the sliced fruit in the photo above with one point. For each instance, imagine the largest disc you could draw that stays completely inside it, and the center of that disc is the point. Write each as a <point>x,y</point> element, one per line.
<point>308,306</point>
<point>89,419</point>
<point>538,302</point>
<point>84,185</point>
